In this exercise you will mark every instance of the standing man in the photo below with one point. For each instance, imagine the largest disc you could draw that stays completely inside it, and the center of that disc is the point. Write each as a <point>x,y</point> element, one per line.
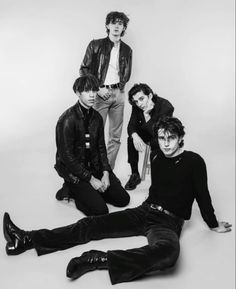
<point>182,178</point>
<point>110,61</point>
<point>81,158</point>
<point>147,109</point>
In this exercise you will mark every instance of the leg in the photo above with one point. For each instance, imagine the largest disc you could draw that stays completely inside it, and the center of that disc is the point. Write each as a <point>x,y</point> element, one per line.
<point>161,253</point>
<point>87,199</point>
<point>116,194</point>
<point>115,113</point>
<point>102,106</point>
<point>129,222</point>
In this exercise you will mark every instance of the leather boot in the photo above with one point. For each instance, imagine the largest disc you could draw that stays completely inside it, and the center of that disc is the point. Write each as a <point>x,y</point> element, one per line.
<point>88,261</point>
<point>18,241</point>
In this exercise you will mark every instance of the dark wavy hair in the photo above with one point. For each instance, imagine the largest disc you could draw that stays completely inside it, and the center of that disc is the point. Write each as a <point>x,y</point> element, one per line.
<point>137,88</point>
<point>113,16</point>
<point>86,82</point>
<point>170,124</point>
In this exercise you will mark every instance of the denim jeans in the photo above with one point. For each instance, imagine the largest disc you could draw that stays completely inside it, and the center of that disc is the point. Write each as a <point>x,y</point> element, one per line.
<point>113,108</point>
<point>162,232</point>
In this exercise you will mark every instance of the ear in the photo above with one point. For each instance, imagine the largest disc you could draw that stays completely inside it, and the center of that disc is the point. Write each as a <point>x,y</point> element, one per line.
<point>180,139</point>
<point>77,93</point>
<point>150,96</point>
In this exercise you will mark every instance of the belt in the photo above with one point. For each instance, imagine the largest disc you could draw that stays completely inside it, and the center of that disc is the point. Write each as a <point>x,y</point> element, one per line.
<point>116,85</point>
<point>160,209</point>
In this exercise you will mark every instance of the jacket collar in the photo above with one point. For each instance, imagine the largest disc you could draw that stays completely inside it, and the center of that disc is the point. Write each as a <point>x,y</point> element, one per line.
<point>80,112</point>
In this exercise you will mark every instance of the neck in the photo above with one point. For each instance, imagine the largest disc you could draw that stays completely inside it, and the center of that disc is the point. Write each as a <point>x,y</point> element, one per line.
<point>115,39</point>
<point>86,107</point>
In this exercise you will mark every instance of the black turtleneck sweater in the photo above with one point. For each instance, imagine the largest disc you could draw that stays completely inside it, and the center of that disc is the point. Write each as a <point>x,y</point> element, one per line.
<point>177,181</point>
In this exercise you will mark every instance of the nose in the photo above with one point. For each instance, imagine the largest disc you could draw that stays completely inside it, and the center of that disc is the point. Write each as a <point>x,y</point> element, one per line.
<point>166,142</point>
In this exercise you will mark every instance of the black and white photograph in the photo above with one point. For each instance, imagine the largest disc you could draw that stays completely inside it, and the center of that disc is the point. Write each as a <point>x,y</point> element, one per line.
<point>117,144</point>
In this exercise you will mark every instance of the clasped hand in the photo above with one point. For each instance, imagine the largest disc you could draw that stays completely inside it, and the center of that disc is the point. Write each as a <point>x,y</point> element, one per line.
<point>100,185</point>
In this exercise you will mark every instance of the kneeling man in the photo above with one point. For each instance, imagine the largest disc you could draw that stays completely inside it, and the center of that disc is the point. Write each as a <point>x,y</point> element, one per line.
<point>81,158</point>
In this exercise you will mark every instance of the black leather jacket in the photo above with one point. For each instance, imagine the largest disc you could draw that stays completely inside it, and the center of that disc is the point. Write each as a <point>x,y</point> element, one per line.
<point>97,57</point>
<point>70,141</point>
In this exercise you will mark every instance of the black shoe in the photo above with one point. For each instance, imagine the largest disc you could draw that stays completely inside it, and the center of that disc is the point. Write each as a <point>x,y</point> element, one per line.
<point>63,193</point>
<point>133,181</point>
<point>18,241</point>
<point>88,261</point>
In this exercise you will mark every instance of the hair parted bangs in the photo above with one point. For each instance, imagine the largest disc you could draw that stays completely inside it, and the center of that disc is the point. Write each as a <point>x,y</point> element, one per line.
<point>170,124</point>
<point>86,83</point>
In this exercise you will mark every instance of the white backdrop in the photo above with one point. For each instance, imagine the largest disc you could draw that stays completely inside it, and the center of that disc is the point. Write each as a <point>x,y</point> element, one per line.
<point>184,49</point>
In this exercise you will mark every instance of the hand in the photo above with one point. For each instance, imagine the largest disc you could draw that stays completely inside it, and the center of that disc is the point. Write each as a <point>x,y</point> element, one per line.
<point>148,109</point>
<point>105,180</point>
<point>138,142</point>
<point>104,93</point>
<point>223,227</point>
<point>96,184</point>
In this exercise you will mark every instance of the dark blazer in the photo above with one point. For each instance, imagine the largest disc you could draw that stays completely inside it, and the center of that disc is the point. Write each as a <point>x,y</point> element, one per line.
<point>137,121</point>
<point>70,141</point>
<point>97,57</point>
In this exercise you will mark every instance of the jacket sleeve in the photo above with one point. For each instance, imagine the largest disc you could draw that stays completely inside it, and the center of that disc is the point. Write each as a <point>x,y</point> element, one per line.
<point>129,66</point>
<point>66,149</point>
<point>202,195</point>
<point>165,108</point>
<point>133,122</point>
<point>86,65</point>
<point>102,147</point>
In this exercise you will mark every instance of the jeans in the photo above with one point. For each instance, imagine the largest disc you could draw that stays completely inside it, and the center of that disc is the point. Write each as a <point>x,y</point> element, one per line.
<point>113,107</point>
<point>162,232</point>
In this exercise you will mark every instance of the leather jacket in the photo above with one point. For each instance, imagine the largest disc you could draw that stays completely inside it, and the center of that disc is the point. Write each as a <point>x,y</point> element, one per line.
<point>71,150</point>
<point>97,57</point>
<point>162,107</point>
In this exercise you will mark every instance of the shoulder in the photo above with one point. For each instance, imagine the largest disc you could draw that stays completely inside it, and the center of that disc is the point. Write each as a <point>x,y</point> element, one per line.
<point>161,101</point>
<point>98,42</point>
<point>194,158</point>
<point>68,116</point>
<point>126,47</point>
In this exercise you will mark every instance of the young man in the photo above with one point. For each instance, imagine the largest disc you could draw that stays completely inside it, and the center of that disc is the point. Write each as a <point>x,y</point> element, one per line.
<point>182,178</point>
<point>110,60</point>
<point>81,157</point>
<point>147,108</point>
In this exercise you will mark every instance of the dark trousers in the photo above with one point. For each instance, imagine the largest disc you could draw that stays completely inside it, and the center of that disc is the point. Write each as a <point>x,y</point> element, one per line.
<point>162,232</point>
<point>92,202</point>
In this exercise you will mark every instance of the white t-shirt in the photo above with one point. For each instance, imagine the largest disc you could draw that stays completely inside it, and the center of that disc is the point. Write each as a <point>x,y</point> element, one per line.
<point>112,76</point>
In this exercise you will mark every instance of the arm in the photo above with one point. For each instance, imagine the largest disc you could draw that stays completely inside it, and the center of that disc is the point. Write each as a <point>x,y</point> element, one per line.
<point>86,65</point>
<point>134,122</point>
<point>66,136</point>
<point>161,108</point>
<point>203,197</point>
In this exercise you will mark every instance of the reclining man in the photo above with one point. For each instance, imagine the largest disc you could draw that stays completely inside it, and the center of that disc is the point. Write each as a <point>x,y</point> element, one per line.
<point>182,177</point>
<point>81,157</point>
<point>147,108</point>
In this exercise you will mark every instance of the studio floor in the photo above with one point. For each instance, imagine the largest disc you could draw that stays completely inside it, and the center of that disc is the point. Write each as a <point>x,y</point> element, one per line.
<point>28,187</point>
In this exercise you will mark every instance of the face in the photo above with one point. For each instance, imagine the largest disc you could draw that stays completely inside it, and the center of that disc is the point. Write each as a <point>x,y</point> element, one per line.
<point>141,100</point>
<point>115,28</point>
<point>169,143</point>
<point>87,98</point>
